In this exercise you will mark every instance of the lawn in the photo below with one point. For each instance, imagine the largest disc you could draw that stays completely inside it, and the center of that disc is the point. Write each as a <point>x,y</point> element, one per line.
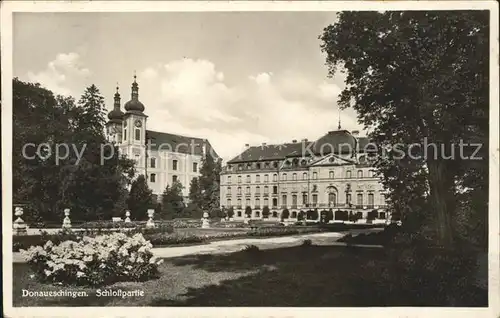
<point>300,276</point>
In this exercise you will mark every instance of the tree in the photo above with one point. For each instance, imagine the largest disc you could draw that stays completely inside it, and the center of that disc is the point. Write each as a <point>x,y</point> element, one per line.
<point>248,212</point>
<point>418,78</point>
<point>91,189</point>
<point>301,216</point>
<point>285,214</point>
<point>230,212</point>
<point>195,193</point>
<point>140,198</point>
<point>265,212</point>
<point>172,201</point>
<point>209,182</point>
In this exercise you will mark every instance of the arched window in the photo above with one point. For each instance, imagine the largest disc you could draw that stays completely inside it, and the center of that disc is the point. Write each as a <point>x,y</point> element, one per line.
<point>248,190</point>
<point>294,176</point>
<point>257,190</point>
<point>348,174</point>
<point>266,189</point>
<point>275,177</point>
<point>332,199</point>
<point>266,178</point>
<point>283,177</point>
<point>248,179</point>
<point>239,190</point>
<point>304,176</point>
<point>360,173</point>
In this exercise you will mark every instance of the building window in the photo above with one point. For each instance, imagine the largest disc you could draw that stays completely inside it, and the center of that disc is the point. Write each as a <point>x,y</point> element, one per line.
<point>257,178</point>
<point>283,200</point>
<point>247,202</point>
<point>239,190</point>
<point>152,177</point>
<point>239,203</point>
<point>283,177</point>
<point>294,200</point>
<point>257,190</point>
<point>332,175</point>
<point>304,176</point>
<point>257,202</point>
<point>266,190</point>
<point>174,165</point>
<point>240,167</point>
<point>360,173</point>
<point>266,202</point>
<point>348,198</point>
<point>275,189</point>
<point>239,213</point>
<point>248,190</point>
<point>266,178</point>
<point>248,179</point>
<point>125,134</point>
<point>332,199</point>
<point>257,214</point>
<point>371,173</point>
<point>275,177</point>
<point>228,203</point>
<point>137,134</point>
<point>294,177</point>
<point>229,179</point>
<point>152,162</point>
<point>257,165</point>
<point>275,203</point>
<point>239,179</point>
<point>370,199</point>
<point>348,174</point>
<point>195,167</point>
<point>137,159</point>
<point>304,199</point>
<point>360,199</point>
<point>229,190</point>
<point>315,199</point>
<point>174,178</point>
<point>315,175</point>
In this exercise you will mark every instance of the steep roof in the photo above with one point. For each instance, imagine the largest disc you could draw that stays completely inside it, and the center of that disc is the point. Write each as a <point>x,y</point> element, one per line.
<point>178,143</point>
<point>334,141</point>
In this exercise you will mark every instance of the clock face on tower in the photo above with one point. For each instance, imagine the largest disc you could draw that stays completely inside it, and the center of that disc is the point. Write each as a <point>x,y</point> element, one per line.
<point>138,123</point>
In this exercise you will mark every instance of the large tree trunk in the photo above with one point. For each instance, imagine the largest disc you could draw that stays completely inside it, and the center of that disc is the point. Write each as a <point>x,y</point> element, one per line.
<point>441,199</point>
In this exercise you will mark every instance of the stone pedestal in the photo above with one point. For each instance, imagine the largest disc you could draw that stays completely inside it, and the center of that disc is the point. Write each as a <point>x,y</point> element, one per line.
<point>19,225</point>
<point>66,222</point>
<point>151,222</point>
<point>205,224</point>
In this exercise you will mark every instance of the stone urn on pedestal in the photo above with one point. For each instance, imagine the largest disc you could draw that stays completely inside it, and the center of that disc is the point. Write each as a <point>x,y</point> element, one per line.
<point>205,224</point>
<point>127,216</point>
<point>66,222</point>
<point>19,226</point>
<point>150,223</point>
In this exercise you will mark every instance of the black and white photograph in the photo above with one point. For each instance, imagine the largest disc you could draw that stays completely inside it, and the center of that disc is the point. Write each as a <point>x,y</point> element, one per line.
<point>254,155</point>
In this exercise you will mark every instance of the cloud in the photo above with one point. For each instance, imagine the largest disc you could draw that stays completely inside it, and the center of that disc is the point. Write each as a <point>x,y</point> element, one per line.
<point>62,74</point>
<point>192,97</point>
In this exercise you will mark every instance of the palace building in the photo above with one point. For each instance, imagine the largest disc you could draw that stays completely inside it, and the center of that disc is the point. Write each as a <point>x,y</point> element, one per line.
<point>331,174</point>
<point>161,157</point>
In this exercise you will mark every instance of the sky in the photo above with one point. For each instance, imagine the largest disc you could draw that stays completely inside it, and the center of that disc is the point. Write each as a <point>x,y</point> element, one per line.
<point>234,78</point>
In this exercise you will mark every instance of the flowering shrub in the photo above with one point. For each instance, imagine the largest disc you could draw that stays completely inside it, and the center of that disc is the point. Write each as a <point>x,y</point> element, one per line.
<point>99,260</point>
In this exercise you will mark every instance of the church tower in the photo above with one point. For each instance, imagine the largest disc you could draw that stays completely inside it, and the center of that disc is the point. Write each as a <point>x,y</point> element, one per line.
<point>114,125</point>
<point>134,130</point>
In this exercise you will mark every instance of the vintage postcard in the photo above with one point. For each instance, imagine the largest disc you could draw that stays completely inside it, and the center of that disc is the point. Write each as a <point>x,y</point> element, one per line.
<point>250,158</point>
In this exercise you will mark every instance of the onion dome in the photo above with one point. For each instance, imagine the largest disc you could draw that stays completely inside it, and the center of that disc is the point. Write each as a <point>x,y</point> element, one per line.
<point>116,115</point>
<point>134,105</point>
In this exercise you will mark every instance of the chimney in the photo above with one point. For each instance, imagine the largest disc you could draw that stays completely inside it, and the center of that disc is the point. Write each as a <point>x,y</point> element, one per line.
<point>264,144</point>
<point>294,141</point>
<point>304,140</point>
<point>355,133</point>
<point>247,145</point>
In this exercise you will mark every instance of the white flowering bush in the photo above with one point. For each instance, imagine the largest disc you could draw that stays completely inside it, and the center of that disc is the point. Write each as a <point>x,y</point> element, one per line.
<point>99,260</point>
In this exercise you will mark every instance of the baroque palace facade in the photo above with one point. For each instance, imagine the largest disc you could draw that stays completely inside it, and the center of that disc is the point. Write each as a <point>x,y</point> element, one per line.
<point>161,157</point>
<point>332,173</point>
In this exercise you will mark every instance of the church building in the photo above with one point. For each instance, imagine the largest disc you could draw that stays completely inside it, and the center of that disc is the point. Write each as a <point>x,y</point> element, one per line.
<point>161,157</point>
